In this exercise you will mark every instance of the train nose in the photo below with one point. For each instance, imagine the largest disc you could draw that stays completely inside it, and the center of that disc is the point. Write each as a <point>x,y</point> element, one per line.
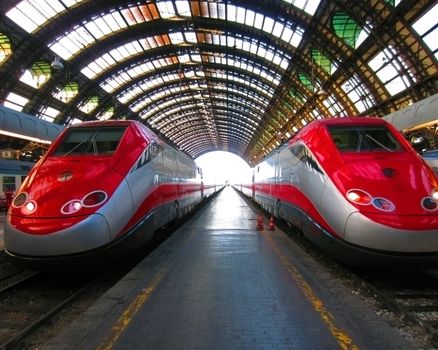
<point>30,237</point>
<point>393,233</point>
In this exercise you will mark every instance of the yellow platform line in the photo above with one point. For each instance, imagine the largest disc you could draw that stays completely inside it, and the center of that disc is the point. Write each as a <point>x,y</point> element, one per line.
<point>125,319</point>
<point>119,327</point>
<point>341,336</point>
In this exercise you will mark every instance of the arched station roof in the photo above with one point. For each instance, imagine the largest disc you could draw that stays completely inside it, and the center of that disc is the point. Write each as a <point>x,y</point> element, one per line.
<point>207,75</point>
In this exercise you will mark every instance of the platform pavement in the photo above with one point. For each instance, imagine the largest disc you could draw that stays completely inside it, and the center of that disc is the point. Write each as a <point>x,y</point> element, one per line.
<point>217,283</point>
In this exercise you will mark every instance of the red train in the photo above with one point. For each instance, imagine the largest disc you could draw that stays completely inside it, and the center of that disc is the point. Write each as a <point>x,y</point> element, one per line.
<point>102,188</point>
<point>357,189</point>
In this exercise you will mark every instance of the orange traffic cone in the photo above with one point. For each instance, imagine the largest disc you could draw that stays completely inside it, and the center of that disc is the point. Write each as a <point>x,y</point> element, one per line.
<point>271,224</point>
<point>260,222</point>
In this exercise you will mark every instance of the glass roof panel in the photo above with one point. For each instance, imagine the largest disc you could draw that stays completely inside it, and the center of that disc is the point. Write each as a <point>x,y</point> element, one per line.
<point>427,28</point>
<point>100,28</point>
<point>389,69</point>
<point>334,106</point>
<point>268,25</point>
<point>49,112</point>
<point>117,21</point>
<point>5,47</point>
<point>346,28</point>
<point>15,101</point>
<point>166,9</point>
<point>68,45</point>
<point>32,14</point>
<point>358,93</point>
<point>308,6</point>
<point>427,21</point>
<point>321,60</point>
<point>249,18</point>
<point>21,18</point>
<point>80,37</point>
<point>116,55</point>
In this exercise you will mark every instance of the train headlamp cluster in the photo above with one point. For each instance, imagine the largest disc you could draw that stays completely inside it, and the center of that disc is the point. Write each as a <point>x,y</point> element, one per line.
<point>22,201</point>
<point>430,203</point>
<point>90,200</point>
<point>71,207</point>
<point>434,194</point>
<point>361,197</point>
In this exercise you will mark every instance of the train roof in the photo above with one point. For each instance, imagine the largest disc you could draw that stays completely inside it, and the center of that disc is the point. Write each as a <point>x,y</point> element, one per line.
<point>105,123</point>
<point>318,123</point>
<point>95,123</point>
<point>349,120</point>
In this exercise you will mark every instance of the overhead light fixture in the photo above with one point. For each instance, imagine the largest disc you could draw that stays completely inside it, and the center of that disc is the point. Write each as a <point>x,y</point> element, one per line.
<point>176,17</point>
<point>57,64</point>
<point>21,136</point>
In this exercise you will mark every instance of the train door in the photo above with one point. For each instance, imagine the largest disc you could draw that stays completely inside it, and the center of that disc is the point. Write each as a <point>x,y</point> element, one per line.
<point>277,174</point>
<point>253,184</point>
<point>200,179</point>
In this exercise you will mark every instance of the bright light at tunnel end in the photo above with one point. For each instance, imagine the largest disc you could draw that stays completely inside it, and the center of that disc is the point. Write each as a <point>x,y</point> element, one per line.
<point>220,166</point>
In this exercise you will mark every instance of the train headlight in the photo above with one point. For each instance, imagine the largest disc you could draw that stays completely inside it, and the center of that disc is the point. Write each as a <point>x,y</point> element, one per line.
<point>429,203</point>
<point>434,194</point>
<point>383,204</point>
<point>93,199</point>
<point>29,207</point>
<point>71,207</point>
<point>359,197</point>
<point>20,200</point>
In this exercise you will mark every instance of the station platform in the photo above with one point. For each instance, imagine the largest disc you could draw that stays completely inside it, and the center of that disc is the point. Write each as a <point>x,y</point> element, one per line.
<point>218,283</point>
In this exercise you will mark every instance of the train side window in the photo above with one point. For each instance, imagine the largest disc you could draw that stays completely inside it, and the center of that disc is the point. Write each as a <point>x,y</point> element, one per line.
<point>299,151</point>
<point>149,153</point>
<point>304,155</point>
<point>8,183</point>
<point>310,161</point>
<point>295,149</point>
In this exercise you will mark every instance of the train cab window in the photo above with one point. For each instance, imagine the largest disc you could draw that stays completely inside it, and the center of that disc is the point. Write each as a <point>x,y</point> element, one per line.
<point>90,141</point>
<point>364,138</point>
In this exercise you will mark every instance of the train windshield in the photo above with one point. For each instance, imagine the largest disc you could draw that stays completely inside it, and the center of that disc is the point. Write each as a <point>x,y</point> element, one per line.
<point>90,141</point>
<point>364,138</point>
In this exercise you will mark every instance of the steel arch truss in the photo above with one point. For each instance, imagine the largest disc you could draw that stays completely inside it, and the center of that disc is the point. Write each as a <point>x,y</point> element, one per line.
<point>215,75</point>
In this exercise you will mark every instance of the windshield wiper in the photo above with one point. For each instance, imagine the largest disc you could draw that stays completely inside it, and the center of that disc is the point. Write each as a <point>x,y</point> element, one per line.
<point>92,138</point>
<point>359,143</point>
<point>378,143</point>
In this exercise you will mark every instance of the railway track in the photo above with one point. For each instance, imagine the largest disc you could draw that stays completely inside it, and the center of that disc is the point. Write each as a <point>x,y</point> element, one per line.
<point>411,295</point>
<point>31,302</point>
<point>29,299</point>
<point>10,274</point>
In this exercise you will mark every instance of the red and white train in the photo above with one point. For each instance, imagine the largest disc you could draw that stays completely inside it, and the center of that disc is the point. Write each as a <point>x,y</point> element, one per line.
<point>102,188</point>
<point>357,189</point>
